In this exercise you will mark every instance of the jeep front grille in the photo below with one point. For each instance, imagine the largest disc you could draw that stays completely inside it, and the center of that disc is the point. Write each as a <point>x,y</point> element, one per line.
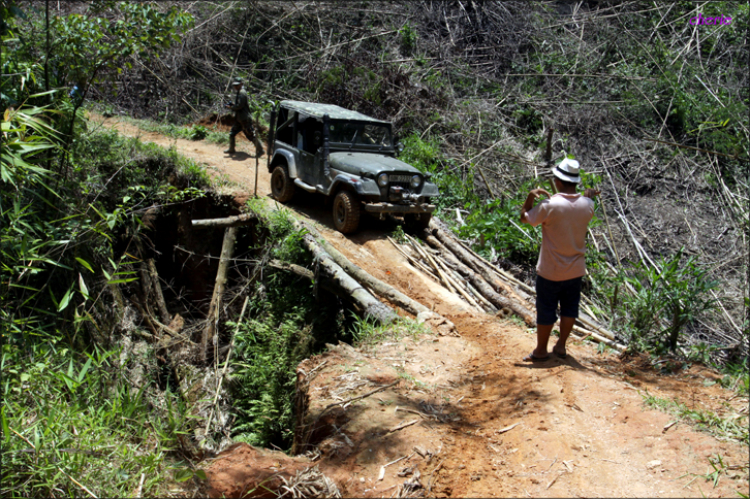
<point>400,179</point>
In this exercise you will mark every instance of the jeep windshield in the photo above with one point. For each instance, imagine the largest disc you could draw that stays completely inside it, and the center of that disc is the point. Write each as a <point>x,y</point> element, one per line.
<point>354,133</point>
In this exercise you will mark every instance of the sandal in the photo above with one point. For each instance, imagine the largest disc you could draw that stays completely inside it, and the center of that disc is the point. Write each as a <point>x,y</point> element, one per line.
<point>533,358</point>
<point>560,355</point>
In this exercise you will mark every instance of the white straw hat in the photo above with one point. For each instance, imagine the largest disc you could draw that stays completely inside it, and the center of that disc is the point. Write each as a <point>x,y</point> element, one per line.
<point>568,170</point>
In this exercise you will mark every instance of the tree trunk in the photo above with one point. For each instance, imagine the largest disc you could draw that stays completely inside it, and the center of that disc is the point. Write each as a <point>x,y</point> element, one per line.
<point>345,286</point>
<point>235,221</point>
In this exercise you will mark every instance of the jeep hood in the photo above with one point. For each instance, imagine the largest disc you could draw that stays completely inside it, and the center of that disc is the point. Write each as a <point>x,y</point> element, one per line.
<point>358,163</point>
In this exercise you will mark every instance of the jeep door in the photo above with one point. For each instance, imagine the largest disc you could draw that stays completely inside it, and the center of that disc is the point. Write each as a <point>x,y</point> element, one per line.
<point>307,169</point>
<point>309,143</point>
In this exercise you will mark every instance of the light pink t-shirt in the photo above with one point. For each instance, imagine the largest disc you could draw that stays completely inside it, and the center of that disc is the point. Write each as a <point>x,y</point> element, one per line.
<point>564,219</point>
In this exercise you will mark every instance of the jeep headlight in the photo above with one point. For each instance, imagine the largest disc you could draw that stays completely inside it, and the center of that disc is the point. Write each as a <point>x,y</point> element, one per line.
<point>415,181</point>
<point>383,180</point>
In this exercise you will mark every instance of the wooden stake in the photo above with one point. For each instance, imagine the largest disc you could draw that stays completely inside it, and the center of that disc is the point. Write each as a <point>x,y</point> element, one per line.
<point>161,304</point>
<point>214,309</point>
<point>255,193</point>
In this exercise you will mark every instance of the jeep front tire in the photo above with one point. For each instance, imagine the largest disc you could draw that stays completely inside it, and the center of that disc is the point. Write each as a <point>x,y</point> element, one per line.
<point>346,211</point>
<point>282,187</point>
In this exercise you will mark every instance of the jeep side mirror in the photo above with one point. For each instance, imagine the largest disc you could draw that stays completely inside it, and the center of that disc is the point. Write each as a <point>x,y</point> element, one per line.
<point>399,147</point>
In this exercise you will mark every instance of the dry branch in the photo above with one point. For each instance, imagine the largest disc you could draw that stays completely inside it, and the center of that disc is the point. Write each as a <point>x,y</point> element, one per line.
<point>403,425</point>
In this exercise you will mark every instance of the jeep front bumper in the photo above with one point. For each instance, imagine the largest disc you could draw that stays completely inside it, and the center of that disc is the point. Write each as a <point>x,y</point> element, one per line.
<point>399,208</point>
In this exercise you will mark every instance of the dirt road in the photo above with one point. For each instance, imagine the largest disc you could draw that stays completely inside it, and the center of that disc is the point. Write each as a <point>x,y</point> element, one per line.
<point>487,424</point>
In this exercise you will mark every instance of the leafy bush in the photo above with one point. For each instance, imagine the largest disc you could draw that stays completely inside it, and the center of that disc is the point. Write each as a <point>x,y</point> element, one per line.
<point>67,414</point>
<point>408,39</point>
<point>426,156</point>
<point>287,323</point>
<point>264,379</point>
<point>666,299</point>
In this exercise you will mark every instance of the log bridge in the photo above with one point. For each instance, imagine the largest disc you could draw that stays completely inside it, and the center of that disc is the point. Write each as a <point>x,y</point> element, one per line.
<point>444,258</point>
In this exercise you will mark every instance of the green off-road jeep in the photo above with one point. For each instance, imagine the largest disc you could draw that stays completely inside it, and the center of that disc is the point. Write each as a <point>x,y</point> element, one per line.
<point>348,157</point>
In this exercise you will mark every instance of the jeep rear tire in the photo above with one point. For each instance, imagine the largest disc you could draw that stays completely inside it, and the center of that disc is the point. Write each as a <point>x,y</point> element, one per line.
<point>346,211</point>
<point>282,187</point>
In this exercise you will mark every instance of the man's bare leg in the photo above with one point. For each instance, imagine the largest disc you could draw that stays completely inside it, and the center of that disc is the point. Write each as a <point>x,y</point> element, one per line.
<point>542,338</point>
<point>566,326</point>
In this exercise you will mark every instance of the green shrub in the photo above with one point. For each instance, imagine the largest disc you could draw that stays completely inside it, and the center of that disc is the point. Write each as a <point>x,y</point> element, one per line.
<point>66,414</point>
<point>408,39</point>
<point>666,300</point>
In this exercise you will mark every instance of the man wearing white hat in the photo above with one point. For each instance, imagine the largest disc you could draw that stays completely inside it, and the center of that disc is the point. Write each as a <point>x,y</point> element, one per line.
<point>562,259</point>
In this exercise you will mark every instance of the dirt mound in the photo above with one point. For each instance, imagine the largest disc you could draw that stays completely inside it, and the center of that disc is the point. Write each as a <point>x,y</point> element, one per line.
<point>244,471</point>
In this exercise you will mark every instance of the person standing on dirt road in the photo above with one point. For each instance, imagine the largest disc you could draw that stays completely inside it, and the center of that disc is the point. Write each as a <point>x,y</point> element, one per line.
<point>242,122</point>
<point>562,264</point>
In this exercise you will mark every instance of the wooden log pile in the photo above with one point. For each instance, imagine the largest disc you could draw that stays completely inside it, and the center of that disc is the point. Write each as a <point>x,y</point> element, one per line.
<point>452,264</point>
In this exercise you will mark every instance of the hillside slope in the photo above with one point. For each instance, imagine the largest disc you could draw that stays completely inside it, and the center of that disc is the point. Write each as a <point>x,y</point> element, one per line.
<point>495,426</point>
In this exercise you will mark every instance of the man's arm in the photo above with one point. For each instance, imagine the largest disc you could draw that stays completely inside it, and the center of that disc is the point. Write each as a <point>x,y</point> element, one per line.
<point>533,195</point>
<point>241,102</point>
<point>591,193</point>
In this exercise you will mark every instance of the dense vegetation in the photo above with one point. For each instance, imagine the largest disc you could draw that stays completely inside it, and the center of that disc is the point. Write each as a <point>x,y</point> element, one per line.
<point>656,109</point>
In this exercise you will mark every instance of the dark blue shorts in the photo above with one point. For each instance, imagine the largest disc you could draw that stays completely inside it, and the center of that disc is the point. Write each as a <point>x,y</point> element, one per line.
<point>550,293</point>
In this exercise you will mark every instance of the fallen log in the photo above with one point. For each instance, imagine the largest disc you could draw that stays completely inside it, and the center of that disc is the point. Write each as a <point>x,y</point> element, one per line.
<point>442,270</point>
<point>413,261</point>
<point>443,278</point>
<point>591,325</point>
<point>214,309</point>
<point>376,285</point>
<point>344,284</point>
<point>476,264</point>
<point>523,290</point>
<point>235,221</point>
<point>480,284</point>
<point>599,338</point>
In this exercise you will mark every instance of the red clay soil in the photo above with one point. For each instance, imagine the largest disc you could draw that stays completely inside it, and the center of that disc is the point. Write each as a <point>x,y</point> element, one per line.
<point>245,471</point>
<point>468,416</point>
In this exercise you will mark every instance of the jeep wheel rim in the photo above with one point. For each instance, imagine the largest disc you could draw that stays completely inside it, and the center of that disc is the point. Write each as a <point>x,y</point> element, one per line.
<point>278,184</point>
<point>340,212</point>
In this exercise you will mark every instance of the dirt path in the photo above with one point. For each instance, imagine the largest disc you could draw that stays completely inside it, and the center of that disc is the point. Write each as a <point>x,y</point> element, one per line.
<point>487,424</point>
